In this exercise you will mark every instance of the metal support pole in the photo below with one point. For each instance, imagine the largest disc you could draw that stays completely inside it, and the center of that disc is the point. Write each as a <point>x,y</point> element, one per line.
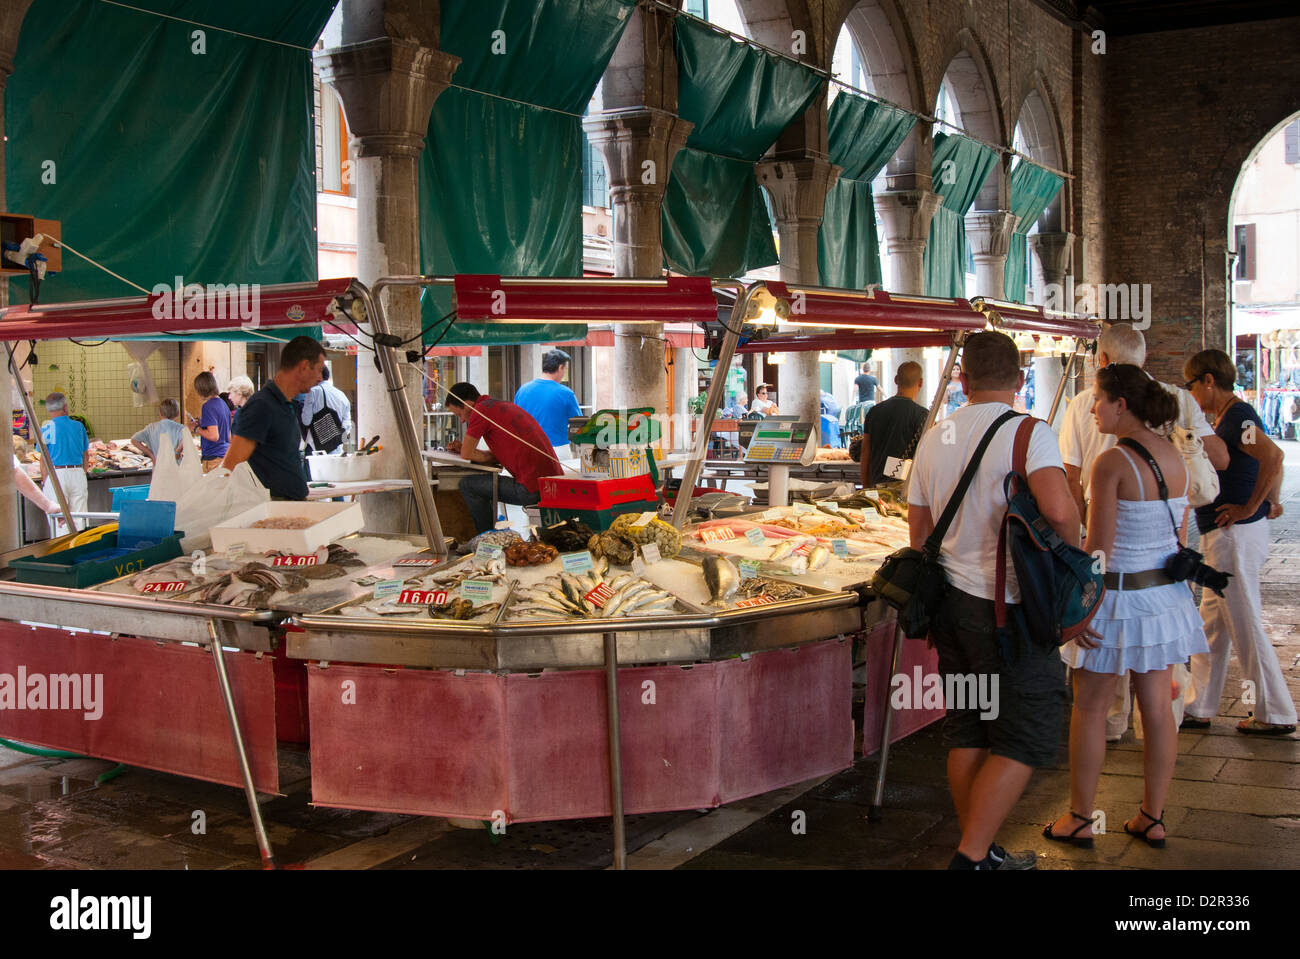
<point>35,427</point>
<point>388,362</point>
<point>1060,387</point>
<point>245,771</point>
<point>876,809</point>
<point>695,465</point>
<point>615,750</point>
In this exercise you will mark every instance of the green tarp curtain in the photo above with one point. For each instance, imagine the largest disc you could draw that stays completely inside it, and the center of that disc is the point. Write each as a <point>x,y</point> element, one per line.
<point>959,169</point>
<point>863,135</point>
<point>159,160</point>
<point>740,99</point>
<point>501,181</point>
<point>1032,189</point>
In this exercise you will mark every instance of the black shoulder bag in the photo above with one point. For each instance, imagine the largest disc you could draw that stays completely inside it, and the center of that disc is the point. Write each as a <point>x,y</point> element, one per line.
<point>912,581</point>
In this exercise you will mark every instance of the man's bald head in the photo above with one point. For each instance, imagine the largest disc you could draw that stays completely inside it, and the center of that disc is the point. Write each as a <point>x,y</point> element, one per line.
<point>908,376</point>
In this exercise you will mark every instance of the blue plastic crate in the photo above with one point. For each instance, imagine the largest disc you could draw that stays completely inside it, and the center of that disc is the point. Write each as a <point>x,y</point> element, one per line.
<point>122,494</point>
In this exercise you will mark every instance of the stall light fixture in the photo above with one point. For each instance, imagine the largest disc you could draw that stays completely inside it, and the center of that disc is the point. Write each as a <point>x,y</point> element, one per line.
<point>826,357</point>
<point>776,359</point>
<point>875,311</point>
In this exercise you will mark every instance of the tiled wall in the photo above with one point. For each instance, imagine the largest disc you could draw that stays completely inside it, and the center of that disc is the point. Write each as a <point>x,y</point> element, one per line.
<point>95,380</point>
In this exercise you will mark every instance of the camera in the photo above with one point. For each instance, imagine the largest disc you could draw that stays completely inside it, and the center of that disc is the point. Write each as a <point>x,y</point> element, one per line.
<point>1189,564</point>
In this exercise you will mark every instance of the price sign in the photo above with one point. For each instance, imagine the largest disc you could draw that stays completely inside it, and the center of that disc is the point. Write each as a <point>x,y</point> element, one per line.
<point>416,561</point>
<point>486,552</point>
<point>717,534</point>
<point>651,553</point>
<point>828,505</point>
<point>748,568</point>
<point>840,547</point>
<point>756,537</point>
<point>163,587</point>
<point>295,560</point>
<point>599,596</point>
<point>644,520</point>
<point>638,566</point>
<point>476,590</point>
<point>804,508</point>
<point>763,600</point>
<point>422,597</point>
<point>237,550</point>
<point>579,562</point>
<point>387,587</point>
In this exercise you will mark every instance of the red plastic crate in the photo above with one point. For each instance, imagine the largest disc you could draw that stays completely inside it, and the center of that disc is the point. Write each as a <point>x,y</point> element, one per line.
<point>574,492</point>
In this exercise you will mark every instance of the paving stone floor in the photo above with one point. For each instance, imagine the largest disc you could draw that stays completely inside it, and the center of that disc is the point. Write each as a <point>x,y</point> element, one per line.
<point>1235,803</point>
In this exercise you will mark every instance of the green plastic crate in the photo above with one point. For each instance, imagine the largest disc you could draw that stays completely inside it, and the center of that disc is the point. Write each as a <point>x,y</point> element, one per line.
<point>62,568</point>
<point>597,519</point>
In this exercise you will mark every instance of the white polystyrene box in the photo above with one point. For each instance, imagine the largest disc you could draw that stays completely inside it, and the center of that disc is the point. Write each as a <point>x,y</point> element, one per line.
<point>333,521</point>
<point>339,469</point>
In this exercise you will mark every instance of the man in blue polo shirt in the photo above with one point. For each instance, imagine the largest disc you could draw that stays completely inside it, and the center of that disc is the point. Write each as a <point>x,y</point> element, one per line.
<point>547,400</point>
<point>269,432</point>
<point>70,453</point>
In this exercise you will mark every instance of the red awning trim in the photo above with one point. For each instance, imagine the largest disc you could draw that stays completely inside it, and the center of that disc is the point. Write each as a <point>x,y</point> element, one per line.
<point>281,305</point>
<point>489,298</point>
<point>845,340</point>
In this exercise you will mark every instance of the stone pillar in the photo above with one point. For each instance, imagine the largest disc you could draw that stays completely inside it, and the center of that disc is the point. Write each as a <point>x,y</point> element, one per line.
<point>387,87</point>
<point>1052,253</point>
<point>989,234</point>
<point>638,145</point>
<point>687,388</point>
<point>11,22</point>
<point>798,189</point>
<point>905,217</point>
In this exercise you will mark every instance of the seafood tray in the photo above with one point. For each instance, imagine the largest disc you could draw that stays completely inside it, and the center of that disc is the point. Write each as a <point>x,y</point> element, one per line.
<point>331,521</point>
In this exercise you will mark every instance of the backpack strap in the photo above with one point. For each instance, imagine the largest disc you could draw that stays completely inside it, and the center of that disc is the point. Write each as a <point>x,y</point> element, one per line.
<point>935,539</point>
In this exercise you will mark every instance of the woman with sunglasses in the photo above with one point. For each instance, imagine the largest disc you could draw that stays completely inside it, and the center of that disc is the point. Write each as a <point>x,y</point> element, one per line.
<point>1234,539</point>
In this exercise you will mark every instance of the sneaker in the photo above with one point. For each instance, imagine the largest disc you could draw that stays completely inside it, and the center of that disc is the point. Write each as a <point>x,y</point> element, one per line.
<point>1001,859</point>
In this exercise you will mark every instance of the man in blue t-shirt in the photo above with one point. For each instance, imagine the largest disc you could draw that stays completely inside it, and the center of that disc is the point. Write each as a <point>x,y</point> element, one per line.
<point>547,400</point>
<point>69,448</point>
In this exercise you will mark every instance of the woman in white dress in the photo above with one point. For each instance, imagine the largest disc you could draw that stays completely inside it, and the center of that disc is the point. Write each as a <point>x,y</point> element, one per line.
<point>1147,622</point>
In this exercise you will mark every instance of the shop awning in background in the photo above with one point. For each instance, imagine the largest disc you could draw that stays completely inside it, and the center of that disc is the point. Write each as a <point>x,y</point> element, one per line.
<point>1032,189</point>
<point>959,170</point>
<point>161,161</point>
<point>501,173</point>
<point>715,222</point>
<point>863,135</point>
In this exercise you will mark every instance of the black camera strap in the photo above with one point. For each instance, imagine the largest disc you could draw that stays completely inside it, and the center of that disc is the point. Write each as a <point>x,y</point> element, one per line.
<point>935,540</point>
<point>1142,451</point>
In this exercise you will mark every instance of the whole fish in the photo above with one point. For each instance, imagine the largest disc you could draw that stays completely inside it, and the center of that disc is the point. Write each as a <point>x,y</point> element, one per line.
<point>722,579</point>
<point>818,558</point>
<point>782,550</point>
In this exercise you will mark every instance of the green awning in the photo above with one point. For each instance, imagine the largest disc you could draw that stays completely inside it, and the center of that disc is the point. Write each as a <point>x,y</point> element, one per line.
<point>161,161</point>
<point>501,172</point>
<point>715,222</point>
<point>959,169</point>
<point>863,135</point>
<point>1032,189</point>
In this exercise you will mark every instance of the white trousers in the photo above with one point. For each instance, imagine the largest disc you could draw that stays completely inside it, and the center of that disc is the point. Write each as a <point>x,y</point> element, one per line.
<point>73,481</point>
<point>1237,620</point>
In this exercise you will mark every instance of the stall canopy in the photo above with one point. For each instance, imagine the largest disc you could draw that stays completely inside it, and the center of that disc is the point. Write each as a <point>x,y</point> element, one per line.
<point>1032,189</point>
<point>167,149</point>
<point>501,172</point>
<point>959,169</point>
<point>715,222</point>
<point>863,135</point>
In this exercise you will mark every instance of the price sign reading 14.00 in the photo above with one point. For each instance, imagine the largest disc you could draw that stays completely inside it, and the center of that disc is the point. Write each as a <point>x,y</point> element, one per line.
<point>295,560</point>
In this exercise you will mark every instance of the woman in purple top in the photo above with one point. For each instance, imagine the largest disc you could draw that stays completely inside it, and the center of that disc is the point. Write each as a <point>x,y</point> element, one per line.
<point>213,425</point>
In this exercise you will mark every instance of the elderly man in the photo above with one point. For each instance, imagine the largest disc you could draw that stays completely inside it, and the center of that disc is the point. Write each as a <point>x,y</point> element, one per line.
<point>69,448</point>
<point>165,433</point>
<point>1081,444</point>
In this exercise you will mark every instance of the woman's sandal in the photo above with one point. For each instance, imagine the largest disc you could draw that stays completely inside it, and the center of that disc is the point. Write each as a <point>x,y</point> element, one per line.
<point>1073,839</point>
<point>1253,727</point>
<point>1153,843</point>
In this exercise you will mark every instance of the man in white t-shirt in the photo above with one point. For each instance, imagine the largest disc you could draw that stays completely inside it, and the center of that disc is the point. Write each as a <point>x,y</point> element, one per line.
<point>992,752</point>
<point>1082,443</point>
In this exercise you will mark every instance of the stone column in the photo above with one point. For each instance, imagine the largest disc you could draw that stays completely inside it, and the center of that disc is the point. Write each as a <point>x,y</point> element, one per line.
<point>989,234</point>
<point>11,22</point>
<point>387,87</point>
<point>1052,253</point>
<point>905,217</point>
<point>638,145</point>
<point>798,189</point>
<point>687,389</point>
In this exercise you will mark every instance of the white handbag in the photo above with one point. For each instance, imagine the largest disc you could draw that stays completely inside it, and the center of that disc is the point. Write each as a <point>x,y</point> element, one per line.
<point>1202,478</point>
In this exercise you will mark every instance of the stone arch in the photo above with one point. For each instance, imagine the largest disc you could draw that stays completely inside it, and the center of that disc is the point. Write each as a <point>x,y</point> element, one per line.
<point>968,78</point>
<point>773,22</point>
<point>888,54</point>
<point>1038,122</point>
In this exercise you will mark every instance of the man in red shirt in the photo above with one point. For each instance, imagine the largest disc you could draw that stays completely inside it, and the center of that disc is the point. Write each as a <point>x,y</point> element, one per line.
<point>514,440</point>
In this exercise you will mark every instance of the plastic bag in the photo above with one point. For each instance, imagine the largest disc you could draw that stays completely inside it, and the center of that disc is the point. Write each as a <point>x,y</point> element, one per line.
<point>204,500</point>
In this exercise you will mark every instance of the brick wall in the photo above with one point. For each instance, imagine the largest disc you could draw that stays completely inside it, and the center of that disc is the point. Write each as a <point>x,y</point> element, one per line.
<point>1184,109</point>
